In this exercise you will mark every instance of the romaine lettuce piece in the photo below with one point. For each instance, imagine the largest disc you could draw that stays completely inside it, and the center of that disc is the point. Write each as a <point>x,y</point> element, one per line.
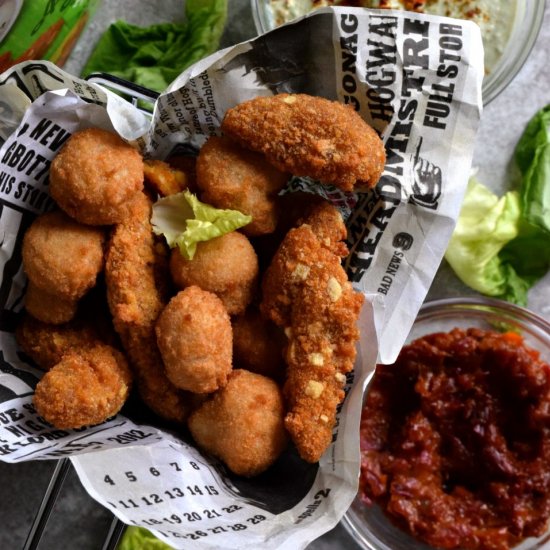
<point>139,538</point>
<point>185,221</point>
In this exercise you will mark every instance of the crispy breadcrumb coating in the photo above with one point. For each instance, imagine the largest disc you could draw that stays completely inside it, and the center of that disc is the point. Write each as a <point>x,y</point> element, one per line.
<point>258,345</point>
<point>195,340</point>
<point>85,388</point>
<point>309,136</point>
<point>230,176</point>
<point>226,266</point>
<point>61,256</point>
<point>46,344</point>
<point>306,291</point>
<point>47,307</point>
<point>242,424</point>
<point>133,273</point>
<point>163,179</point>
<point>95,176</point>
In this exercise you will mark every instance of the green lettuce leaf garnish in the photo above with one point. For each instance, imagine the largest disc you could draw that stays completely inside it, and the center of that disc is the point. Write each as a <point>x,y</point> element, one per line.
<point>154,56</point>
<point>185,221</point>
<point>501,246</point>
<point>533,159</point>
<point>485,225</point>
<point>138,538</point>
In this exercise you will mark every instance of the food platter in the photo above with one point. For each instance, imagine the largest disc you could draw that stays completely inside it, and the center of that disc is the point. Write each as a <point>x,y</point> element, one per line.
<point>445,284</point>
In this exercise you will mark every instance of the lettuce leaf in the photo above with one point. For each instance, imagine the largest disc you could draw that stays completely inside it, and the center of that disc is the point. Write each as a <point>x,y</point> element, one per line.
<point>185,221</point>
<point>139,538</point>
<point>154,56</point>
<point>501,247</point>
<point>485,225</point>
<point>533,159</point>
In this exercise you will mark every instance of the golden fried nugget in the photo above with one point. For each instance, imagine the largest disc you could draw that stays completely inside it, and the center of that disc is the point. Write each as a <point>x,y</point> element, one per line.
<point>226,266</point>
<point>309,136</point>
<point>85,388</point>
<point>46,344</point>
<point>95,176</point>
<point>242,424</point>
<point>135,274</point>
<point>61,256</point>
<point>163,179</point>
<point>306,291</point>
<point>195,340</point>
<point>258,345</point>
<point>187,165</point>
<point>47,307</point>
<point>235,178</point>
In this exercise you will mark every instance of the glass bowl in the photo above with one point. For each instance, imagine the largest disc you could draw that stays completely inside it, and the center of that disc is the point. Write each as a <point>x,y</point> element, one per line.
<point>368,526</point>
<point>525,29</point>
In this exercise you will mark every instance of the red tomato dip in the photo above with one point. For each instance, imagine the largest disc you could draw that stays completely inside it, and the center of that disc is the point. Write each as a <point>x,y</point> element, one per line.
<point>455,440</point>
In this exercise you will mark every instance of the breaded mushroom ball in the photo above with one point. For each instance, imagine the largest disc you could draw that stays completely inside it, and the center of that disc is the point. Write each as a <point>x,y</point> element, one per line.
<point>230,176</point>
<point>85,388</point>
<point>61,256</point>
<point>195,340</point>
<point>226,266</point>
<point>242,424</point>
<point>258,345</point>
<point>47,307</point>
<point>95,177</point>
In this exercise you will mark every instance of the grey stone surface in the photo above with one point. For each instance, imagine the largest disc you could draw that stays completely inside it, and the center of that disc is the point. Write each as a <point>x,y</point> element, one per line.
<point>78,521</point>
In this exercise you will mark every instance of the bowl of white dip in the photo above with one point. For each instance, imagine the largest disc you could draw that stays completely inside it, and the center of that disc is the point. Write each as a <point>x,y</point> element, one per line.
<point>509,27</point>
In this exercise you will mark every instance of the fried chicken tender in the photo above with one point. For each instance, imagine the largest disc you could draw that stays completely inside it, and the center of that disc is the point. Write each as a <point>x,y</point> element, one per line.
<point>195,340</point>
<point>134,273</point>
<point>226,266</point>
<point>85,388</point>
<point>258,345</point>
<point>309,136</point>
<point>95,176</point>
<point>235,178</point>
<point>327,224</point>
<point>163,179</point>
<point>306,291</point>
<point>61,256</point>
<point>242,424</point>
<point>48,307</point>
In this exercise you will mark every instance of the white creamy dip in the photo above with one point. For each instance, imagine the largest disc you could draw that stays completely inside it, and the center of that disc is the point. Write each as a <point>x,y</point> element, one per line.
<point>494,17</point>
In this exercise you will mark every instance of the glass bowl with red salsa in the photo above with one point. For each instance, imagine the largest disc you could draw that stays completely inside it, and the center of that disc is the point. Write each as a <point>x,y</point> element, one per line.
<point>455,435</point>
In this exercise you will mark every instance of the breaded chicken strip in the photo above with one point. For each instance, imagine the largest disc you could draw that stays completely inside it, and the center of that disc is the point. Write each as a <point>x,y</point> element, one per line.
<point>309,136</point>
<point>134,271</point>
<point>85,388</point>
<point>95,176</point>
<point>242,424</point>
<point>235,178</point>
<point>306,291</point>
<point>195,340</point>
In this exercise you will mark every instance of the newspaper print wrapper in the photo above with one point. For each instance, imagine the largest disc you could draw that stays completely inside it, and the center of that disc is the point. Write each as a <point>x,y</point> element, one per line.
<point>417,80</point>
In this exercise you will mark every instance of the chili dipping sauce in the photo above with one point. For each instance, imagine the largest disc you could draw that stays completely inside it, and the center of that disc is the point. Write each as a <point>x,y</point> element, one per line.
<point>455,440</point>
